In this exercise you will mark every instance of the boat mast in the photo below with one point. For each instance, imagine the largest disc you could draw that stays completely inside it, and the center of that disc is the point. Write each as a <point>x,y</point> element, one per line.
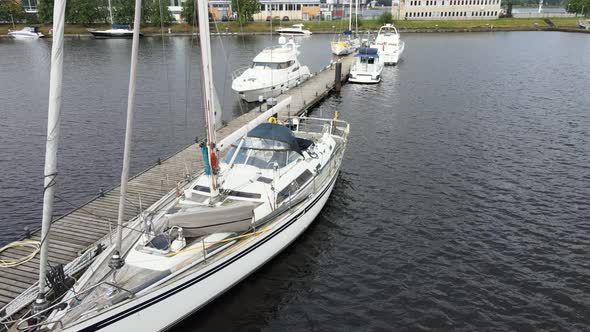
<point>207,86</point>
<point>356,17</point>
<point>350,15</point>
<point>116,260</point>
<point>111,12</point>
<point>53,123</point>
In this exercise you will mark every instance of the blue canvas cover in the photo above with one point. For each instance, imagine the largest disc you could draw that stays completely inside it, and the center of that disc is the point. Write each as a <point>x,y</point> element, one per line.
<point>120,26</point>
<point>347,32</point>
<point>367,52</point>
<point>276,132</point>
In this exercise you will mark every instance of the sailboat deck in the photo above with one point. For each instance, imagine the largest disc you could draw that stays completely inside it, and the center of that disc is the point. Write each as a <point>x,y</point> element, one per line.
<point>79,229</point>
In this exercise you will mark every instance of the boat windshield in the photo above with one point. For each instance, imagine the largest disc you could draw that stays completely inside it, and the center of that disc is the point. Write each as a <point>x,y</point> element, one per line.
<point>272,65</point>
<point>368,60</point>
<point>261,153</point>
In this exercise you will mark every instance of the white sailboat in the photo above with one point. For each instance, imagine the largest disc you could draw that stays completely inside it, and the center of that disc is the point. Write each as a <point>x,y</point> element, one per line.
<point>116,30</point>
<point>389,44</point>
<point>345,44</point>
<point>196,243</point>
<point>273,71</point>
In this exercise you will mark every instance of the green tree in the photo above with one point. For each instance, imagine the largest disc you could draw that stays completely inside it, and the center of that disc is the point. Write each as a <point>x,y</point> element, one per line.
<point>245,9</point>
<point>385,18</point>
<point>156,12</point>
<point>45,11</point>
<point>11,10</point>
<point>85,12</point>
<point>188,11</point>
<point>579,6</point>
<point>123,11</point>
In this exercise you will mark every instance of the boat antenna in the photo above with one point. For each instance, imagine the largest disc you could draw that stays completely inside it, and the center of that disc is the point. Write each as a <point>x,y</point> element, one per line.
<point>53,123</point>
<point>208,101</point>
<point>356,18</point>
<point>117,261</point>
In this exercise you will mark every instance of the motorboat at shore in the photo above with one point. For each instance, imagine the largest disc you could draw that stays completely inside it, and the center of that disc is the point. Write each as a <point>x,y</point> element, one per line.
<point>389,44</point>
<point>116,31</point>
<point>584,24</point>
<point>367,67</point>
<point>294,30</point>
<point>28,32</point>
<point>273,71</point>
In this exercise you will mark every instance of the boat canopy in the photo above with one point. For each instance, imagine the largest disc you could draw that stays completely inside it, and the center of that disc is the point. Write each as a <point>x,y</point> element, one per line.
<point>347,32</point>
<point>367,52</point>
<point>120,26</point>
<point>276,132</point>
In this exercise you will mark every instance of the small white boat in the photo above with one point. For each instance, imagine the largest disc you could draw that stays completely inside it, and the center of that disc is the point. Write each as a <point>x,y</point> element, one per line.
<point>294,30</point>
<point>28,32</point>
<point>584,24</point>
<point>116,31</point>
<point>273,71</point>
<point>367,68</point>
<point>389,44</point>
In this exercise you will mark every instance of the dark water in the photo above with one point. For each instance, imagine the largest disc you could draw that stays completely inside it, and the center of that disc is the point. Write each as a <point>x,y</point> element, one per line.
<point>462,202</point>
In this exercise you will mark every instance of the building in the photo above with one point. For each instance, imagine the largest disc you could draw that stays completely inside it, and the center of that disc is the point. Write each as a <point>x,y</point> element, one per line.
<point>30,6</point>
<point>306,10</point>
<point>219,9</point>
<point>222,10</point>
<point>445,9</point>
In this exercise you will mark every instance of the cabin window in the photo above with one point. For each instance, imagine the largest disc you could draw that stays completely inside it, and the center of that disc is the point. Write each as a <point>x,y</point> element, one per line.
<point>272,65</point>
<point>262,154</point>
<point>292,187</point>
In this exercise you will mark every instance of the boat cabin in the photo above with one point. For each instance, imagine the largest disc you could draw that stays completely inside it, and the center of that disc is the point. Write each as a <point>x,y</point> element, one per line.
<point>367,56</point>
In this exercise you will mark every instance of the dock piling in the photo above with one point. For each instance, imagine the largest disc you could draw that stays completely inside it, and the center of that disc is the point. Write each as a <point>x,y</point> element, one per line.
<point>338,77</point>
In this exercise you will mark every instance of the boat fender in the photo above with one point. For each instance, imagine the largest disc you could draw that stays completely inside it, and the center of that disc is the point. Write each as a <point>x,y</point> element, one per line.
<point>205,159</point>
<point>272,119</point>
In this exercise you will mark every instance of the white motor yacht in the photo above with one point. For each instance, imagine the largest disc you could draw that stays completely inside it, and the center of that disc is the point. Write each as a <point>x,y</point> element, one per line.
<point>273,71</point>
<point>389,44</point>
<point>367,67</point>
<point>28,32</point>
<point>294,30</point>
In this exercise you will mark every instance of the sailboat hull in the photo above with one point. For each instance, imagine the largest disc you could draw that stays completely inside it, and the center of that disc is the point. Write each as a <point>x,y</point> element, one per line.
<point>175,302</point>
<point>124,34</point>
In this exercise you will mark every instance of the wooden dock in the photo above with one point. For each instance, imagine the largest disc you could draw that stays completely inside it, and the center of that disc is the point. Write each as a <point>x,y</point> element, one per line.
<point>79,229</point>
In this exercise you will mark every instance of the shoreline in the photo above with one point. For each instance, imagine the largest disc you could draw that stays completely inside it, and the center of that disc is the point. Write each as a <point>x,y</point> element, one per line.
<point>333,27</point>
<point>401,30</point>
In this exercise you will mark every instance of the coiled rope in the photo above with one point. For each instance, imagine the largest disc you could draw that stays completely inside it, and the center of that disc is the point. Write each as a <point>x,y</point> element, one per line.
<point>35,245</point>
